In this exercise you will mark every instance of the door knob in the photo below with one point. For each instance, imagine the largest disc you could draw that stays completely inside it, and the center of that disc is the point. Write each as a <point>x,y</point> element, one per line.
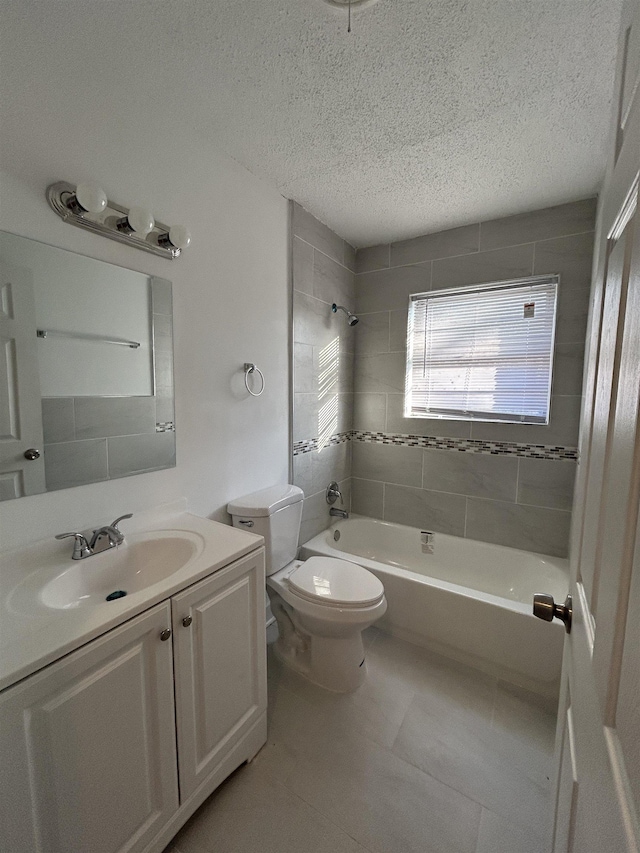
<point>544,607</point>
<point>32,454</point>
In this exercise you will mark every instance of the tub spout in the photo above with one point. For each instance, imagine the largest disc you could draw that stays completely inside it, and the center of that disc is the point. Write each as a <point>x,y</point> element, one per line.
<point>338,513</point>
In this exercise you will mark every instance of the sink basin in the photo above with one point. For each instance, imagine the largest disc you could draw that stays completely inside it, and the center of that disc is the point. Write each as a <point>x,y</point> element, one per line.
<point>142,560</point>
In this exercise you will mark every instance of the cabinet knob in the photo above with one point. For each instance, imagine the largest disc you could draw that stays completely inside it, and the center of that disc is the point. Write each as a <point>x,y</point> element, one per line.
<point>164,635</point>
<point>187,621</point>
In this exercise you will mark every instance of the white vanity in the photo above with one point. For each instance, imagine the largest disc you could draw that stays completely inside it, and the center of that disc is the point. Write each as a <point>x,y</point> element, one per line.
<point>118,718</point>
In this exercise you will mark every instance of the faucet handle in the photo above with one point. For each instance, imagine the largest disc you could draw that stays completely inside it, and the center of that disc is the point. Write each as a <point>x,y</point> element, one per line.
<point>115,523</point>
<point>333,493</point>
<point>80,546</point>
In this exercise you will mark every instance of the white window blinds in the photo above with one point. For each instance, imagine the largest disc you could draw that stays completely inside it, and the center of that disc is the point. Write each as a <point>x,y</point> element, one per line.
<point>483,352</point>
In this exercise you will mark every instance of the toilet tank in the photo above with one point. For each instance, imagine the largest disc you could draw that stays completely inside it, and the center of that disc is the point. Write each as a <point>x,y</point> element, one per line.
<point>274,513</point>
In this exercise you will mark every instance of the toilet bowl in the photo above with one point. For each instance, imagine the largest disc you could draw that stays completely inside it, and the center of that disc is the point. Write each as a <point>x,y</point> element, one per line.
<point>322,604</point>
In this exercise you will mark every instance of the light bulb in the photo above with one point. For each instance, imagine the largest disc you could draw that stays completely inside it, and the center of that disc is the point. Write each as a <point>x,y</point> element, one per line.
<point>140,221</point>
<point>91,198</point>
<point>179,236</point>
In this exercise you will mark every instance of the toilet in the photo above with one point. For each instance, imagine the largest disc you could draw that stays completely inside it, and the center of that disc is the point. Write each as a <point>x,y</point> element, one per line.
<point>322,605</point>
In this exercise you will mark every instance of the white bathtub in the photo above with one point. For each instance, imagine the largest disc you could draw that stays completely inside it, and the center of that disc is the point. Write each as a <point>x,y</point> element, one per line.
<point>468,600</point>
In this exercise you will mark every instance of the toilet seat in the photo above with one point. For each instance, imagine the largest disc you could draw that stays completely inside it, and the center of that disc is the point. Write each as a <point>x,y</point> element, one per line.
<point>332,582</point>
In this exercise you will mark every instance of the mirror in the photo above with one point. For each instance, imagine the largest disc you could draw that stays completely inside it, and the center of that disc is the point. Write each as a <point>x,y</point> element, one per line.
<point>86,370</point>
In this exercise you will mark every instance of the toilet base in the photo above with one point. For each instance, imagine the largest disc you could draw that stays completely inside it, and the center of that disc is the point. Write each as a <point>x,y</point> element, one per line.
<point>334,663</point>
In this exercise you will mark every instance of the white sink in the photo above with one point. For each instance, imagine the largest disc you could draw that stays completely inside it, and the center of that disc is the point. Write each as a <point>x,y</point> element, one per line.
<point>141,561</point>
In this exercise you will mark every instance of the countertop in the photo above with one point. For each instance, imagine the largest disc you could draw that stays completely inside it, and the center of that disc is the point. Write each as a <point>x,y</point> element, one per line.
<point>33,635</point>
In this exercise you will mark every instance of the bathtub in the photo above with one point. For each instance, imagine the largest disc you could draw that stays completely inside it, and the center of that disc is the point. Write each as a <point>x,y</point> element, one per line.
<point>468,600</point>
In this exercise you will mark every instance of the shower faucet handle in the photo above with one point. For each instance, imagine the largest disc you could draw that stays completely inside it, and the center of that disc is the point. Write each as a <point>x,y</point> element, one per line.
<point>333,493</point>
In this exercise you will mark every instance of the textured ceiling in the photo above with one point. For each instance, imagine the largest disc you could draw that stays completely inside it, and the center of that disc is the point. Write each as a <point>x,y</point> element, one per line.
<point>430,114</point>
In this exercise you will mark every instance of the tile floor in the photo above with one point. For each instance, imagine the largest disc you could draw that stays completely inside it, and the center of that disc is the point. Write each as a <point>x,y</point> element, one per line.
<point>427,756</point>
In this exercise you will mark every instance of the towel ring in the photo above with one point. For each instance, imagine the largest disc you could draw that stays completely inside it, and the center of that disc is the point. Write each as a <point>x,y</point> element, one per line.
<point>249,369</point>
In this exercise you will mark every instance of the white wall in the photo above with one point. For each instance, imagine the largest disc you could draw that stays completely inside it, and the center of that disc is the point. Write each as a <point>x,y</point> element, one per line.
<point>64,119</point>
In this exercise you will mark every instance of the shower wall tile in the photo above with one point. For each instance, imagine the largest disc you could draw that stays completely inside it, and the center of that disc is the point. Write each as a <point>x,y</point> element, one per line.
<point>370,412</point>
<point>333,283</point>
<point>132,454</point>
<point>572,218</point>
<point>324,345</point>
<point>397,423</point>
<point>434,511</point>
<point>367,497</point>
<point>302,473</point>
<point>381,372</point>
<point>442,244</point>
<point>459,488</point>
<point>471,474</point>
<point>345,372</point>
<point>571,258</point>
<point>316,233</point>
<point>350,261</point>
<point>497,265</point>
<point>305,416</point>
<point>100,417</point>
<point>345,412</point>
<point>398,329</point>
<point>543,482</point>
<point>328,464</point>
<point>373,258</point>
<point>388,463</point>
<point>313,321</point>
<point>58,422</point>
<point>73,463</point>
<point>372,333</point>
<point>303,266</point>
<point>315,512</point>
<point>564,422</point>
<point>530,528</point>
<point>389,290</point>
<point>567,369</point>
<point>304,378</point>
<point>315,517</point>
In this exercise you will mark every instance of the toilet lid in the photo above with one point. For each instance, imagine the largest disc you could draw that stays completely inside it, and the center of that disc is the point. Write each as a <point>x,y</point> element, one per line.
<point>331,581</point>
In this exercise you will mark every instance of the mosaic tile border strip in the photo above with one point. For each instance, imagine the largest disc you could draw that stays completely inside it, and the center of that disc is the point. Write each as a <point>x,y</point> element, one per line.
<point>470,445</point>
<point>461,445</point>
<point>307,446</point>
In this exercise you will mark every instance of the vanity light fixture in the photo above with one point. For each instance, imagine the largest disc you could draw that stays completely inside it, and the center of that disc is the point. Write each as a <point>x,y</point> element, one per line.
<point>178,237</point>
<point>88,198</point>
<point>138,221</point>
<point>87,206</point>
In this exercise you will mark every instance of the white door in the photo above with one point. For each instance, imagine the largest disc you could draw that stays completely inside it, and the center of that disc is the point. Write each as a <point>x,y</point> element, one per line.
<point>598,743</point>
<point>20,404</point>
<point>88,746</point>
<point>220,666</point>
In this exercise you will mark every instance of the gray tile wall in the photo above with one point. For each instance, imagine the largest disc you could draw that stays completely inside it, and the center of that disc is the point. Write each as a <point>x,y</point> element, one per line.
<point>89,439</point>
<point>524,503</point>
<point>323,265</point>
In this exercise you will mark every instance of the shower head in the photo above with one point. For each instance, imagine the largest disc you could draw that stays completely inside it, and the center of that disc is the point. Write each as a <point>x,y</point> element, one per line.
<point>351,318</point>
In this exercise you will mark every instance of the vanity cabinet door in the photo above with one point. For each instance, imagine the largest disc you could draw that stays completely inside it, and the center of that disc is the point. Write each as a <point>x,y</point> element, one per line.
<point>220,666</point>
<point>88,746</point>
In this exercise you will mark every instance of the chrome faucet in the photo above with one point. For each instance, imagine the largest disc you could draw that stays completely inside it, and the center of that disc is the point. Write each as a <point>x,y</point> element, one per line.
<point>91,542</point>
<point>338,513</point>
<point>332,495</point>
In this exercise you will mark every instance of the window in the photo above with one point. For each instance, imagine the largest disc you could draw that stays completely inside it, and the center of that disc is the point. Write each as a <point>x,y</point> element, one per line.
<point>482,353</point>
